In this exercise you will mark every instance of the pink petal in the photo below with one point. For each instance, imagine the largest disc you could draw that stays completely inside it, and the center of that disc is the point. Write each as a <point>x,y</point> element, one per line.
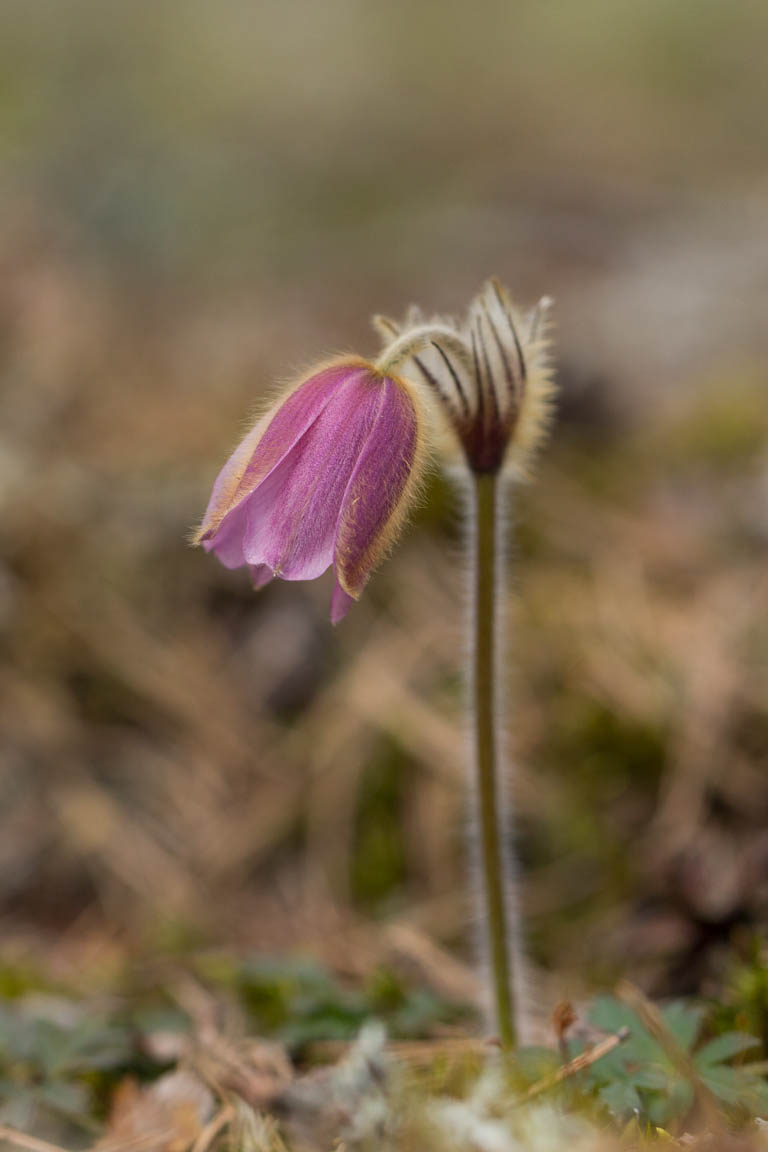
<point>272,438</point>
<point>373,501</point>
<point>261,574</point>
<point>341,602</point>
<point>227,542</point>
<point>292,514</point>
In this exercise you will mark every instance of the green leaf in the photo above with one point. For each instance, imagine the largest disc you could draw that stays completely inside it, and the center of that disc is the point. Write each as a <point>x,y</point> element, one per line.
<point>679,1100</point>
<point>18,1109</point>
<point>724,1048</point>
<point>654,1078</point>
<point>621,1098</point>
<point>65,1098</point>
<point>610,1015</point>
<point>674,1104</point>
<point>683,1022</point>
<point>737,1086</point>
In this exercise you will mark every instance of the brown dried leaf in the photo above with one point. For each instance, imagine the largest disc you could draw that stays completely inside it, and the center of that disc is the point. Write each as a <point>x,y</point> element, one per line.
<point>167,1116</point>
<point>256,1070</point>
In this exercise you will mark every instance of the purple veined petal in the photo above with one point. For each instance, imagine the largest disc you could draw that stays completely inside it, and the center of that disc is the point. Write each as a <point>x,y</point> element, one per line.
<point>261,574</point>
<point>271,439</point>
<point>225,485</point>
<point>229,538</point>
<point>341,602</point>
<point>227,541</point>
<point>293,513</point>
<point>375,499</point>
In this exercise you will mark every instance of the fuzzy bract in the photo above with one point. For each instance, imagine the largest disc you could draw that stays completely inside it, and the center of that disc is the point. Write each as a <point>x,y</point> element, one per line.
<point>488,375</point>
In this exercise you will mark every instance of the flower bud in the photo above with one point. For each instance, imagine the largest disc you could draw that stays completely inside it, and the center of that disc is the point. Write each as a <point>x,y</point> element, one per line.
<point>488,375</point>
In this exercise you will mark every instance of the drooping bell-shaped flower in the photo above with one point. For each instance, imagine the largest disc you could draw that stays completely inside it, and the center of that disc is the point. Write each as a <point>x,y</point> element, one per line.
<point>324,478</point>
<point>489,375</point>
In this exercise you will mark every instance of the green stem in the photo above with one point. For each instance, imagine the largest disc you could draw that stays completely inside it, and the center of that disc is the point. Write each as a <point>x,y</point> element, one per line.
<point>485,735</point>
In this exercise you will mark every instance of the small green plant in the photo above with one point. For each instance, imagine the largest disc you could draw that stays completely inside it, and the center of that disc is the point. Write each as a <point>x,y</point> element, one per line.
<point>640,1078</point>
<point>62,1063</point>
<point>52,1059</point>
<point>299,1002</point>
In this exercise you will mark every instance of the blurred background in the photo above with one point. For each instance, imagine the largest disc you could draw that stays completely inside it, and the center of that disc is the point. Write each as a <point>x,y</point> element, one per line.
<point>197,199</point>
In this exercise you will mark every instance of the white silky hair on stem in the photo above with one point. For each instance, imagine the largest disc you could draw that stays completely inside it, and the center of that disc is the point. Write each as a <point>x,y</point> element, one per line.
<point>491,376</point>
<point>522,1004</point>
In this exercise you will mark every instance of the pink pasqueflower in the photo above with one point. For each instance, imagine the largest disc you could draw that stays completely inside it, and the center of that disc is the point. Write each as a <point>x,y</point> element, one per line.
<point>324,478</point>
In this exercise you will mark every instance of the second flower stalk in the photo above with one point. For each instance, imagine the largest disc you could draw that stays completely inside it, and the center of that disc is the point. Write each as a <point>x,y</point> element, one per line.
<point>490,799</point>
<point>490,382</point>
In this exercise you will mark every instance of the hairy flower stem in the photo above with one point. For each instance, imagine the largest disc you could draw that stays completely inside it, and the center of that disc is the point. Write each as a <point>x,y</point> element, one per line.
<point>484,562</point>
